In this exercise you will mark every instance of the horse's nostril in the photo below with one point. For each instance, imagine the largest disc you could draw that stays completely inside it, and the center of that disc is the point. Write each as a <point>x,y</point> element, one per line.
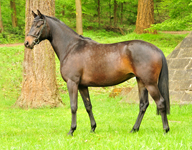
<point>26,43</point>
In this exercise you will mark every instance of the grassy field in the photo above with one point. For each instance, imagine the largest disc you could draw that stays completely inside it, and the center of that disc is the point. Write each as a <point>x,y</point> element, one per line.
<point>47,128</point>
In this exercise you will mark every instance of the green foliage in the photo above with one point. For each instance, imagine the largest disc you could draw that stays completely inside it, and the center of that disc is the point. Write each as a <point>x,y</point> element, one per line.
<point>65,11</point>
<point>177,15</point>
<point>6,14</point>
<point>12,35</point>
<point>172,15</point>
<point>174,25</point>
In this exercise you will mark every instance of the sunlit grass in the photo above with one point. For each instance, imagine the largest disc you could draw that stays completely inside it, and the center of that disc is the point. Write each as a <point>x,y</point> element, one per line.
<point>47,128</point>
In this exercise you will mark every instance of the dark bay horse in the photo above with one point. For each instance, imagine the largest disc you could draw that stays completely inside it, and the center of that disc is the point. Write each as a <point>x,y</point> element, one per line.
<point>84,63</point>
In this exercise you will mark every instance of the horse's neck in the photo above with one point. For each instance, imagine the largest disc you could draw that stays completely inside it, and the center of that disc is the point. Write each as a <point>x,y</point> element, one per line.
<point>62,39</point>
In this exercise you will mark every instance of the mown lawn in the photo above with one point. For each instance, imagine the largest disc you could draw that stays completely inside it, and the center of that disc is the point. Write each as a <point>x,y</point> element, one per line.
<point>47,128</point>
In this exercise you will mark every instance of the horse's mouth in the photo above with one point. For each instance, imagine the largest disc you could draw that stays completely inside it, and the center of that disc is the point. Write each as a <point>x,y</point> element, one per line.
<point>27,45</point>
<point>30,47</point>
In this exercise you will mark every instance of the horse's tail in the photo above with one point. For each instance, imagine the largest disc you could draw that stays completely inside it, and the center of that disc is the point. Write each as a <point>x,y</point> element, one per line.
<point>163,84</point>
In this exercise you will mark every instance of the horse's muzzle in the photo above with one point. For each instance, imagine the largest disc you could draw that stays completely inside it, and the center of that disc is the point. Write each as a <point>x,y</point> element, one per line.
<point>28,44</point>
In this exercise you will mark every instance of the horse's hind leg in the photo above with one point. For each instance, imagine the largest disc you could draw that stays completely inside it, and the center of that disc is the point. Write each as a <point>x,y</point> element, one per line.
<point>144,103</point>
<point>160,102</point>
<point>87,102</point>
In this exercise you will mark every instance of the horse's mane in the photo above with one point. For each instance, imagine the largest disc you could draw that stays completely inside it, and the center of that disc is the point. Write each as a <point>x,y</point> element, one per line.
<point>57,20</point>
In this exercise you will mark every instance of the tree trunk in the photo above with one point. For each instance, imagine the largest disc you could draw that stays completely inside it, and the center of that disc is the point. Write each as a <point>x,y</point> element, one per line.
<point>39,86</point>
<point>13,14</point>
<point>79,26</point>
<point>99,13</point>
<point>110,17</point>
<point>1,21</point>
<point>115,13</point>
<point>121,13</point>
<point>145,16</point>
<point>63,11</point>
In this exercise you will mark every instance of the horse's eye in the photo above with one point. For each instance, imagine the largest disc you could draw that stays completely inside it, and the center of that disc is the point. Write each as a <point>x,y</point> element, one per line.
<point>39,24</point>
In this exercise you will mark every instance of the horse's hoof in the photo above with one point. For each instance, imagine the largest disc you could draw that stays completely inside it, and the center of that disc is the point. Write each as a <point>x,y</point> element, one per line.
<point>134,130</point>
<point>92,131</point>
<point>166,130</point>
<point>70,133</point>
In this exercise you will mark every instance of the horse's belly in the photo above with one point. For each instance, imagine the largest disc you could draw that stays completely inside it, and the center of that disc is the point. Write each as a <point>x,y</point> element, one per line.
<point>107,72</point>
<point>109,79</point>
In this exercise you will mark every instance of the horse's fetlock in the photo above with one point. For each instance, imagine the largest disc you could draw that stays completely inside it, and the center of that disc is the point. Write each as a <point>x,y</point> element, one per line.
<point>73,128</point>
<point>141,105</point>
<point>94,125</point>
<point>89,108</point>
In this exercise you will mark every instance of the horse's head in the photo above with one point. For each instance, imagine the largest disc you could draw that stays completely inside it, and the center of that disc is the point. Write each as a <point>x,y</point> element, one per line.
<point>38,31</point>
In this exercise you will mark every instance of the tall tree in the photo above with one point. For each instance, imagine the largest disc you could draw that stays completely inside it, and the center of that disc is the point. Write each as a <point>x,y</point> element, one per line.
<point>121,12</point>
<point>99,12</point>
<point>13,14</point>
<point>110,22</point>
<point>39,86</point>
<point>1,21</point>
<point>145,16</point>
<point>115,13</point>
<point>79,23</point>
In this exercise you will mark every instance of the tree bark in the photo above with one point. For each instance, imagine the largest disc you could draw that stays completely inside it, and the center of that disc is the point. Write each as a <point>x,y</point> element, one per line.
<point>1,21</point>
<point>99,12</point>
<point>13,14</point>
<point>63,11</point>
<point>39,86</point>
<point>79,25</point>
<point>121,13</point>
<point>145,16</point>
<point>110,17</point>
<point>115,13</point>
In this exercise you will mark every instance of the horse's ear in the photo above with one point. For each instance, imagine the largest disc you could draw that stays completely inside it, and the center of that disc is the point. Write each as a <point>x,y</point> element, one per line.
<point>34,14</point>
<point>40,14</point>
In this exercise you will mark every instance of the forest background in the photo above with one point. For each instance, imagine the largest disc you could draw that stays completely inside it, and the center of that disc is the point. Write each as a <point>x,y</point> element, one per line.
<point>169,15</point>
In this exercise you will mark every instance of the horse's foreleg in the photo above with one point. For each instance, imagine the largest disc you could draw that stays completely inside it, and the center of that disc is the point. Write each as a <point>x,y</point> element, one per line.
<point>73,93</point>
<point>160,102</point>
<point>87,102</point>
<point>144,103</point>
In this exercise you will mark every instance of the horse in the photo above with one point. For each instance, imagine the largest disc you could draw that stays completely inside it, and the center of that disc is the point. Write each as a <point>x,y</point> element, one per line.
<point>86,63</point>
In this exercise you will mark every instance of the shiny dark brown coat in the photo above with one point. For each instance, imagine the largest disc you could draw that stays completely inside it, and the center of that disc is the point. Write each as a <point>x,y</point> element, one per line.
<point>84,63</point>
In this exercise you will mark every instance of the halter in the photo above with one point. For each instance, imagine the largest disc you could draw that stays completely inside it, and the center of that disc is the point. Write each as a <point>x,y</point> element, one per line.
<point>36,41</point>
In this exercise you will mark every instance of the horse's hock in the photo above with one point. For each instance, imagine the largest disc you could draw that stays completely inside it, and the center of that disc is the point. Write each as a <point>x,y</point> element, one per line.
<point>180,75</point>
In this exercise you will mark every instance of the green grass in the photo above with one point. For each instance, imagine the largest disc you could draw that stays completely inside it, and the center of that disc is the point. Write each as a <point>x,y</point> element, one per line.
<point>10,74</point>
<point>47,128</point>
